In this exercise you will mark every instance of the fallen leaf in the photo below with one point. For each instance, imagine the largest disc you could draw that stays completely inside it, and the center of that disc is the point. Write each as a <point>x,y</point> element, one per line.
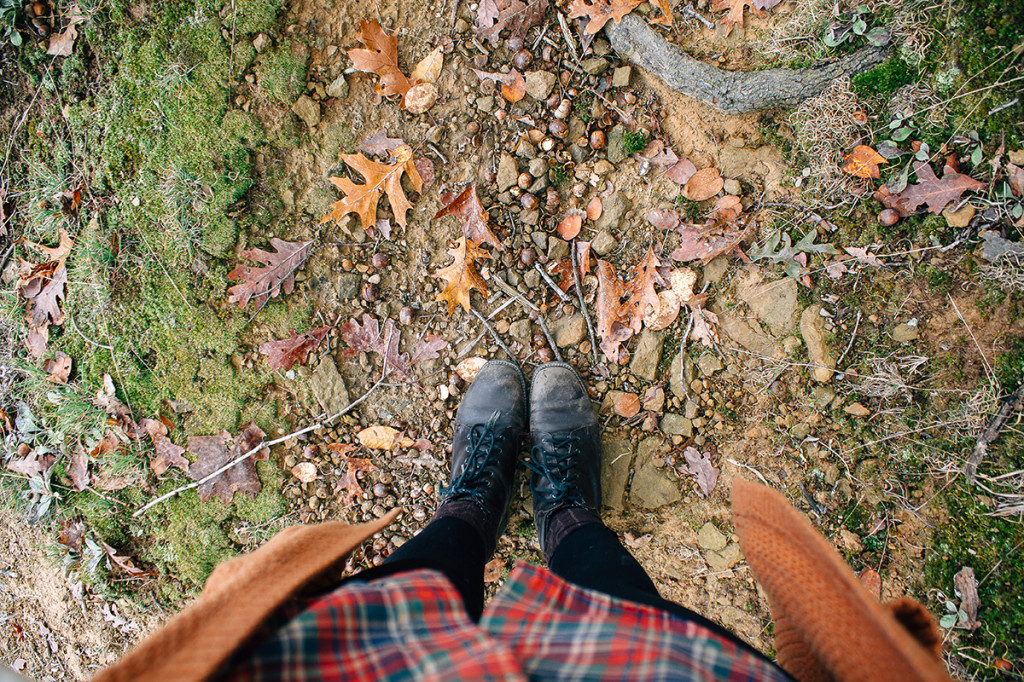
<point>513,85</point>
<point>71,533</point>
<point>379,144</point>
<point>461,275</point>
<point>59,368</point>
<point>871,581</point>
<point>349,482</point>
<point>863,162</point>
<point>420,98</point>
<point>1015,178</point>
<point>862,255</point>
<point>665,19</point>
<point>513,16</point>
<point>379,55</point>
<point>262,283</point>
<point>611,326</point>
<point>699,466</point>
<point>43,288</point>
<point>213,452</point>
<point>429,67</point>
<point>682,172</point>
<point>469,368</point>
<point>31,464</point>
<point>124,562</point>
<point>492,570</point>
<point>640,291</point>
<point>663,218</point>
<point>369,338</point>
<point>296,349</point>
<point>627,405</point>
<point>378,437</point>
<point>735,7</point>
<point>966,586</point>
<point>594,208</point>
<point>380,179</point>
<point>666,313</point>
<point>703,185</point>
<point>705,327</point>
<point>425,167</point>
<point>305,472</point>
<point>167,453</point>
<point>571,224</point>
<point>467,208</point>
<point>600,12</point>
<point>78,471</point>
<point>62,44</point>
<point>727,209</point>
<point>929,189</point>
<point>107,399</point>
<point>705,242</point>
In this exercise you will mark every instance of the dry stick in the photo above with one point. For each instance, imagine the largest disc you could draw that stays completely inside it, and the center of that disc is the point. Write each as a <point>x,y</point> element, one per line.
<point>1010,404</point>
<point>551,340</point>
<point>512,293</point>
<point>583,306</point>
<point>540,316</point>
<point>264,444</point>
<point>562,296</point>
<point>494,333</point>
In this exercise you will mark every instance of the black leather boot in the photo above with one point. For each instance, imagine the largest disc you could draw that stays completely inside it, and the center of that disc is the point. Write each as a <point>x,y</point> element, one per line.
<point>485,446</point>
<point>566,455</point>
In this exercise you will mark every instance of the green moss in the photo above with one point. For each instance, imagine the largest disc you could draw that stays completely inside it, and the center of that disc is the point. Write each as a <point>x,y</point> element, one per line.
<point>691,209</point>
<point>634,141</point>
<point>559,175</point>
<point>940,281</point>
<point>281,75</point>
<point>1010,365</point>
<point>884,79</point>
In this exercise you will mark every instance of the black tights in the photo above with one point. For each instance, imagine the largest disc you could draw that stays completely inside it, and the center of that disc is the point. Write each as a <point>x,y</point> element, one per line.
<point>590,556</point>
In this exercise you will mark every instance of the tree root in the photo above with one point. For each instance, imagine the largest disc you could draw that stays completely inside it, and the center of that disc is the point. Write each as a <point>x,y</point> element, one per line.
<point>731,92</point>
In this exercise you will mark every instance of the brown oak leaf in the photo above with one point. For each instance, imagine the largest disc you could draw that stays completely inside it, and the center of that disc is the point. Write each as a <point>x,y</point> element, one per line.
<point>929,189</point>
<point>368,338</point>
<point>715,237</point>
<point>78,470</point>
<point>42,286</point>
<point>699,466</point>
<point>736,7</point>
<point>124,563</point>
<point>495,16</point>
<point>284,353</point>
<point>703,184</point>
<point>214,452</point>
<point>381,178</point>
<point>600,12</point>
<point>29,462</point>
<point>493,570</point>
<point>467,208</point>
<point>59,368</point>
<point>461,275</point>
<point>640,292</point>
<point>379,144</point>
<point>611,326</point>
<point>167,453</point>
<point>349,482</point>
<point>863,162</point>
<point>262,283</point>
<point>665,19</point>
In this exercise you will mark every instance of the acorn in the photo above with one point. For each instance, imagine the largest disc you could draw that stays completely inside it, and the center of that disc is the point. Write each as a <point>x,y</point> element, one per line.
<point>380,260</point>
<point>522,59</point>
<point>406,315</point>
<point>563,109</point>
<point>597,139</point>
<point>547,144</point>
<point>347,265</point>
<point>539,340</point>
<point>524,180</point>
<point>546,53</point>
<point>888,217</point>
<point>552,200</point>
<point>552,101</point>
<point>369,292</point>
<point>545,354</point>
<point>558,128</point>
<point>582,142</point>
<point>528,201</point>
<point>527,257</point>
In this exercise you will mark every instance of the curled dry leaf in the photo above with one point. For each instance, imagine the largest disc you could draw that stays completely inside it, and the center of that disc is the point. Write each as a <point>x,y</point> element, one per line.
<point>461,275</point>
<point>735,7</point>
<point>513,85</point>
<point>43,286</point>
<point>59,368</point>
<point>627,405</point>
<point>571,224</point>
<point>705,327</point>
<point>379,55</point>
<point>62,44</point>
<point>380,179</point>
<point>29,463</point>
<point>421,97</point>
<point>286,352</point>
<point>262,283</point>
<point>863,162</point>
<point>305,472</point>
<point>469,368</point>
<point>167,453</point>
<point>666,314</point>
<point>594,208</point>
<point>703,185</point>
<point>514,16</point>
<point>379,437</point>
<point>467,208</point>
<point>705,242</point>
<point>78,471</point>
<point>124,562</point>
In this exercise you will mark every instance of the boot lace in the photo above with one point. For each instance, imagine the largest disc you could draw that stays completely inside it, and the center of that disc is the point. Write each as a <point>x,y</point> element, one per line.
<point>555,459</point>
<point>475,470</point>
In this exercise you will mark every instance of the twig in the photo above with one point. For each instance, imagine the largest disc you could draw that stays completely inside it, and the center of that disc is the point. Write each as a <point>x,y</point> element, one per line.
<point>852,337</point>
<point>567,34</point>
<point>749,468</point>
<point>691,12</point>
<point>1010,404</point>
<point>583,306</point>
<point>512,293</point>
<point>264,444</point>
<point>494,333</point>
<point>564,297</point>
<point>98,345</point>
<point>547,333</point>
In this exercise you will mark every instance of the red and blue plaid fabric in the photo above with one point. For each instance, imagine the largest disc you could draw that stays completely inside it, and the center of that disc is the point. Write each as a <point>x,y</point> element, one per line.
<point>413,626</point>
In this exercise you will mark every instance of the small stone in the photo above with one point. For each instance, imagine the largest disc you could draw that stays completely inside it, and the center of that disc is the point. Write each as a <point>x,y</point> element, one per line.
<point>604,243</point>
<point>308,110</point>
<point>349,284</point>
<point>726,558</point>
<point>709,364</point>
<point>654,399</point>
<point>532,279</point>
<point>800,431</point>
<point>710,538</point>
<point>647,355</point>
<point>261,42</point>
<point>681,374</point>
<point>823,395</point>
<point>602,167</point>
<point>520,330</point>
<point>812,328</point>
<point>569,331</point>
<point>676,425</point>
<point>652,487</point>
<point>540,239</point>
<point>539,84</point>
<point>338,88</point>
<point>857,410</point>
<point>620,76</point>
<point>616,458</point>
<point>485,104</point>
<point>716,269</point>
<point>732,186</point>
<point>328,386</point>
<point>690,409</point>
<point>538,167</point>
<point>595,65</point>
<point>616,151</point>
<point>850,541</point>
<point>530,218</point>
<point>613,209</point>
<point>905,332</point>
<point>557,248</point>
<point>508,172</point>
<point>959,218</point>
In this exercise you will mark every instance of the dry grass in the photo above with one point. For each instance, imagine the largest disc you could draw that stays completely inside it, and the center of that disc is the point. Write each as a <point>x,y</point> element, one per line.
<point>1007,272</point>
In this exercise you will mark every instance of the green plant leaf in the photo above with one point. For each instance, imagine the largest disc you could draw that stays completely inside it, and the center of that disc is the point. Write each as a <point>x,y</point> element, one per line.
<point>948,621</point>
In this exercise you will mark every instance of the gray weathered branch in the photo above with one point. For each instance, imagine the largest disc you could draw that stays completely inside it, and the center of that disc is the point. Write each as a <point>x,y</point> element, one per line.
<point>731,92</point>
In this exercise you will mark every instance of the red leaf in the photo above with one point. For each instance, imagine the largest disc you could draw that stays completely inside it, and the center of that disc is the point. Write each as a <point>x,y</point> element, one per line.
<point>262,283</point>
<point>213,452</point>
<point>467,208</point>
<point>570,225</point>
<point>296,349</point>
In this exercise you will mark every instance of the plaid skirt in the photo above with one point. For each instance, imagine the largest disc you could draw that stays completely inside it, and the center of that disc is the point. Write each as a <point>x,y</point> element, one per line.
<point>413,626</point>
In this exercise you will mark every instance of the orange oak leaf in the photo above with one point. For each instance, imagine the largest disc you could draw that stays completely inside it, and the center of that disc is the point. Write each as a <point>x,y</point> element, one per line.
<point>600,12</point>
<point>863,162</point>
<point>735,7</point>
<point>466,206</point>
<point>59,368</point>
<point>380,179</point>
<point>214,452</point>
<point>666,12</point>
<point>167,453</point>
<point>571,224</point>
<point>640,292</point>
<point>611,327</point>
<point>929,189</point>
<point>379,55</point>
<point>284,353</point>
<point>349,482</point>
<point>495,16</point>
<point>461,276</point>
<point>262,283</point>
